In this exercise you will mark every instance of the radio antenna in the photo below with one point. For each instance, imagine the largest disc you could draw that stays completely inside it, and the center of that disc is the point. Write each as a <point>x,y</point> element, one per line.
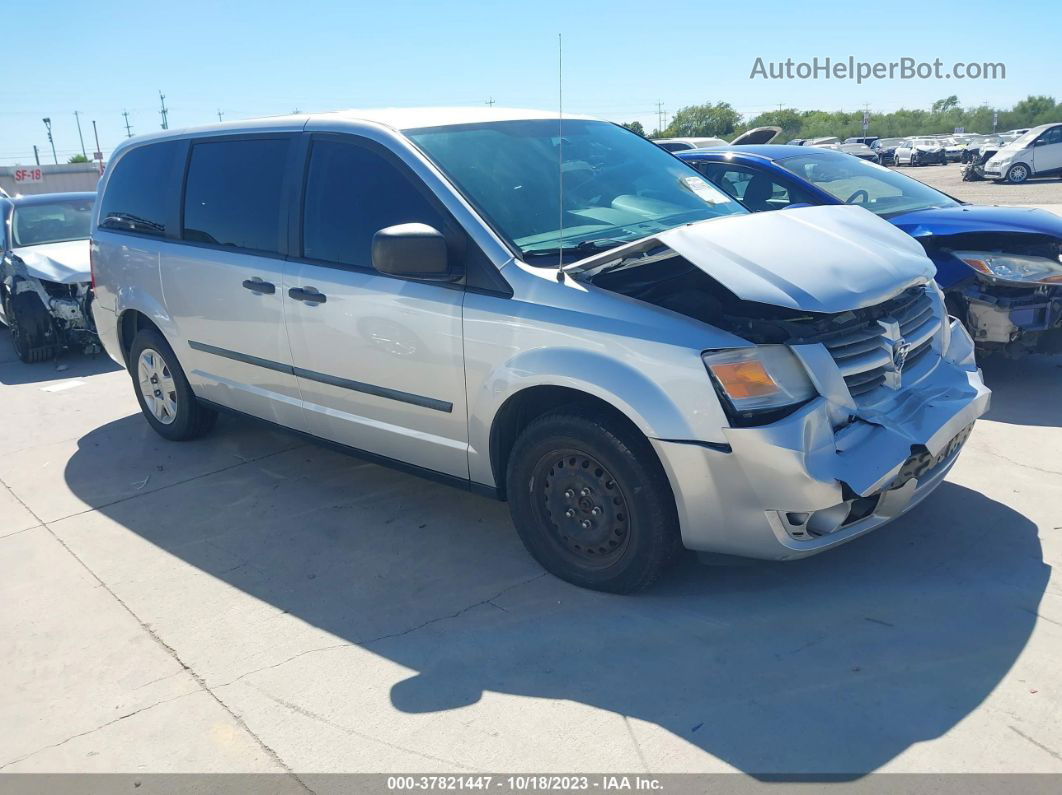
<point>560,155</point>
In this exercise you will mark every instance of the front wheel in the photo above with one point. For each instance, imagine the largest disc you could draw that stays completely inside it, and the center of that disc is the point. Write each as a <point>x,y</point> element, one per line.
<point>163,392</point>
<point>32,330</point>
<point>591,502</point>
<point>1018,173</point>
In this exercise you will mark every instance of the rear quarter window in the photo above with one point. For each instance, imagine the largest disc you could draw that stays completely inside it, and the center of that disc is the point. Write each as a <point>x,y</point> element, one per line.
<point>139,194</point>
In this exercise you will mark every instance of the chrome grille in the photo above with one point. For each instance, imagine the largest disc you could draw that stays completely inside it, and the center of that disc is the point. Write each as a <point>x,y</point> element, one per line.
<point>864,352</point>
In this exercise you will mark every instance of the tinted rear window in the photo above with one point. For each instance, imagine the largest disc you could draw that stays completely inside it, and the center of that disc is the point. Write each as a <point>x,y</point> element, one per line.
<point>233,193</point>
<point>140,192</point>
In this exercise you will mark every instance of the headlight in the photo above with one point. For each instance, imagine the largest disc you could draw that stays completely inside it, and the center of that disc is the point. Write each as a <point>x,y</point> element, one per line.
<point>1013,267</point>
<point>759,379</point>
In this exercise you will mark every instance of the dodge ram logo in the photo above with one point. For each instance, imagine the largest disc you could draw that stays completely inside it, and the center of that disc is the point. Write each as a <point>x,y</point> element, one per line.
<point>900,349</point>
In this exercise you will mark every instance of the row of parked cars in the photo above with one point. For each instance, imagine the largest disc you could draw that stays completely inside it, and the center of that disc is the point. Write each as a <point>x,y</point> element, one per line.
<point>563,315</point>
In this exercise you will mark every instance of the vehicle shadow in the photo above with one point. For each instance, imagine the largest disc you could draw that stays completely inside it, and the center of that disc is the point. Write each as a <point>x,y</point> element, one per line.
<point>1025,391</point>
<point>830,665</point>
<point>75,365</point>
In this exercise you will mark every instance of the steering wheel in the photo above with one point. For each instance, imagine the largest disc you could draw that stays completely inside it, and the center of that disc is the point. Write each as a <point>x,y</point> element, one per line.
<point>864,200</point>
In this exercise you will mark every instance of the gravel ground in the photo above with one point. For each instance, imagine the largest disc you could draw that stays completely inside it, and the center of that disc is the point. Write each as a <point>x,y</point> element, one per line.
<point>949,179</point>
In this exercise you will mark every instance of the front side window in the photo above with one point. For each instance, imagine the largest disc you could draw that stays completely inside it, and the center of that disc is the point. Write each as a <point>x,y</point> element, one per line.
<point>351,194</point>
<point>139,192</point>
<point>54,222</point>
<point>233,193</point>
<point>616,185</point>
<point>756,191</point>
<point>1052,136</point>
<point>855,181</point>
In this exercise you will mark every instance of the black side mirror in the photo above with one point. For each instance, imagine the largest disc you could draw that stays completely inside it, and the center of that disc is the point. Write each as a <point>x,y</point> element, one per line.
<point>412,251</point>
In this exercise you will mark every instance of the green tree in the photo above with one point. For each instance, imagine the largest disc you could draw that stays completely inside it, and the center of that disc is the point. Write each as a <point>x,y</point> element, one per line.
<point>703,120</point>
<point>946,104</point>
<point>635,126</point>
<point>78,159</point>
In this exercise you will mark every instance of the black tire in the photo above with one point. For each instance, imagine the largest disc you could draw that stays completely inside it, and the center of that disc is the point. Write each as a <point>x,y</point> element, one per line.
<point>634,534</point>
<point>191,419</point>
<point>32,330</point>
<point>1018,173</point>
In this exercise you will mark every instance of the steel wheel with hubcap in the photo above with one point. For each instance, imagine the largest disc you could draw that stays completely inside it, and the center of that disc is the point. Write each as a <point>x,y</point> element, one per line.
<point>156,385</point>
<point>165,397</point>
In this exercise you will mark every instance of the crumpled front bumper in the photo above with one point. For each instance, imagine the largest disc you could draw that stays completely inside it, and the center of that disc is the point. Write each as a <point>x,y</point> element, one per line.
<point>798,486</point>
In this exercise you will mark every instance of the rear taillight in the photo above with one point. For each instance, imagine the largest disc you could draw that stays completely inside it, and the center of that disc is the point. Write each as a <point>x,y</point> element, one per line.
<point>92,266</point>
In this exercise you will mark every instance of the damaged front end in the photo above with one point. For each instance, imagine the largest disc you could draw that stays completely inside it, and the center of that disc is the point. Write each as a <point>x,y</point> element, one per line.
<point>893,393</point>
<point>47,309</point>
<point>1009,293</point>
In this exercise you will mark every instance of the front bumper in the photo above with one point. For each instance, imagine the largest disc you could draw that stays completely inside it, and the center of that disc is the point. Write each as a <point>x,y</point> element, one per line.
<point>1001,319</point>
<point>798,486</point>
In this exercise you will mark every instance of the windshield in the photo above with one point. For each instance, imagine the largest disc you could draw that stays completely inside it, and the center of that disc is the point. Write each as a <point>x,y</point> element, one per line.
<point>54,222</point>
<point>869,185</point>
<point>1025,139</point>
<point>617,186</point>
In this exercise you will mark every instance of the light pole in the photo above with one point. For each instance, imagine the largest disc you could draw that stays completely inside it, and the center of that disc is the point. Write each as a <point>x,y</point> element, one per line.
<point>77,118</point>
<point>48,127</point>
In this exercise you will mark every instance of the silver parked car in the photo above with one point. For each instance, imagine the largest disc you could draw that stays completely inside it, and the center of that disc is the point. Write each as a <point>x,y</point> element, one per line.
<point>551,311</point>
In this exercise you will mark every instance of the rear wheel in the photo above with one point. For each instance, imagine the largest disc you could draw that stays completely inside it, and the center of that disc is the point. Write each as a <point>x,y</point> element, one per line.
<point>591,502</point>
<point>32,330</point>
<point>163,392</point>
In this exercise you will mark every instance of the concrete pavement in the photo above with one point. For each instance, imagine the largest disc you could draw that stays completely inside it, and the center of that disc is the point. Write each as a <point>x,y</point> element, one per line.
<point>248,602</point>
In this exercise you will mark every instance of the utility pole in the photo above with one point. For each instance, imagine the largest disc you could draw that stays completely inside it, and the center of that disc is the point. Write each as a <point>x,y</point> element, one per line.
<point>128,129</point>
<point>36,155</point>
<point>490,102</point>
<point>164,111</point>
<point>77,118</point>
<point>219,114</point>
<point>48,127</point>
<point>660,116</point>
<point>99,152</point>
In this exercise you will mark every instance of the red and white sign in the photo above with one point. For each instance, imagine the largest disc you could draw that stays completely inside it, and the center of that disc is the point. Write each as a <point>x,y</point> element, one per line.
<point>28,175</point>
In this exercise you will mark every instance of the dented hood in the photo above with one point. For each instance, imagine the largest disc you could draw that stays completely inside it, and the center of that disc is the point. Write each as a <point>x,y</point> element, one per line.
<point>65,263</point>
<point>816,259</point>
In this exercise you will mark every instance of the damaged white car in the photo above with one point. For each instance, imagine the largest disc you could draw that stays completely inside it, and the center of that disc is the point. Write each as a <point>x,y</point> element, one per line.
<point>45,278</point>
<point>554,312</point>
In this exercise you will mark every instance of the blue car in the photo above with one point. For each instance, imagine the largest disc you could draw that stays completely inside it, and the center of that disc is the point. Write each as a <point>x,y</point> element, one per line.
<point>1000,267</point>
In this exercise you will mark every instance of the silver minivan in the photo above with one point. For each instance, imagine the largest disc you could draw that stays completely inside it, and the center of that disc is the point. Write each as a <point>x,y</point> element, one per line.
<point>552,311</point>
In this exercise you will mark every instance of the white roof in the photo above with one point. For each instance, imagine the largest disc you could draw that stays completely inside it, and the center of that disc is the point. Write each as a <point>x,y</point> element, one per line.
<point>411,118</point>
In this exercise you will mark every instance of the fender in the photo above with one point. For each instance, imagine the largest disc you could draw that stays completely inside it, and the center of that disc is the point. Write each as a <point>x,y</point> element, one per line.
<point>136,298</point>
<point>653,410</point>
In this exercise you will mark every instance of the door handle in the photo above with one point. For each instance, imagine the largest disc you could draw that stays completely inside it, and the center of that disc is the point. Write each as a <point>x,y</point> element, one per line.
<point>308,294</point>
<point>259,287</point>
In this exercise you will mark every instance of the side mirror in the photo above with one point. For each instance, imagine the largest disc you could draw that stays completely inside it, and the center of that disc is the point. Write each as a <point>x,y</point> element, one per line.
<point>412,251</point>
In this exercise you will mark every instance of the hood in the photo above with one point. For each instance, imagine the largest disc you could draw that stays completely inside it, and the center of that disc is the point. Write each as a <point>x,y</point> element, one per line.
<point>65,263</point>
<point>816,259</point>
<point>928,147</point>
<point>757,135</point>
<point>939,221</point>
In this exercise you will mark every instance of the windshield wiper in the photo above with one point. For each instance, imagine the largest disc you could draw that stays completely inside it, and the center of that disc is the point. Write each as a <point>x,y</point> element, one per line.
<point>582,247</point>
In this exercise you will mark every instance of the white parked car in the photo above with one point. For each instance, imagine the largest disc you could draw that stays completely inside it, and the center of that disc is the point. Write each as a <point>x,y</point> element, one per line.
<point>1037,153</point>
<point>920,152</point>
<point>557,313</point>
<point>44,273</point>
<point>682,144</point>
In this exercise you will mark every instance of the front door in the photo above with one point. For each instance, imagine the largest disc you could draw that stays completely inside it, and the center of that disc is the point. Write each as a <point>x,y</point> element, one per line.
<point>379,360</point>
<point>1047,151</point>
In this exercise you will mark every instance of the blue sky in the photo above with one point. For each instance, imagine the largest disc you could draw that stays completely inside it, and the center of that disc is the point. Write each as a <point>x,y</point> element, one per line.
<point>620,58</point>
